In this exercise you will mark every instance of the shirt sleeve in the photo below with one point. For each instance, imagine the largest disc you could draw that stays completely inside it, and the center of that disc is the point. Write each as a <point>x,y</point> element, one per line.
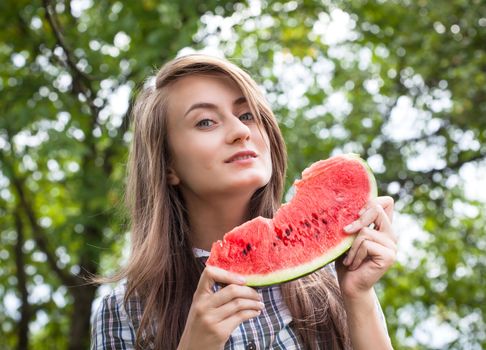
<point>111,327</point>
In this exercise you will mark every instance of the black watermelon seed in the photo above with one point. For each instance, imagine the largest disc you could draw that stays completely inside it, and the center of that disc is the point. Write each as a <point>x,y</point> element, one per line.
<point>248,247</point>
<point>245,252</point>
<point>287,232</point>
<point>324,221</point>
<point>307,223</point>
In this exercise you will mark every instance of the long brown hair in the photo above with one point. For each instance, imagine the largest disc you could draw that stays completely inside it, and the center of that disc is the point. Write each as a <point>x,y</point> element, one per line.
<point>162,270</point>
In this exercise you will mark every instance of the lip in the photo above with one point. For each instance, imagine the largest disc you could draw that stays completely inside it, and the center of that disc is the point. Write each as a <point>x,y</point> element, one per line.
<point>241,154</point>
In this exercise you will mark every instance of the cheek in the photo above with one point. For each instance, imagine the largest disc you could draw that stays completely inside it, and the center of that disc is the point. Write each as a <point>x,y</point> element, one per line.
<point>264,148</point>
<point>193,155</point>
<point>265,144</point>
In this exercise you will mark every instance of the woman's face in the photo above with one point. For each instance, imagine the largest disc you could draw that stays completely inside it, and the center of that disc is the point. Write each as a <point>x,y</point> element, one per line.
<point>216,145</point>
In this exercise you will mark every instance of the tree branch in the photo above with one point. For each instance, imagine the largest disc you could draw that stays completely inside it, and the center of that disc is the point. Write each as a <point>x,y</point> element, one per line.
<point>25,309</point>
<point>38,233</point>
<point>56,28</point>
<point>79,77</point>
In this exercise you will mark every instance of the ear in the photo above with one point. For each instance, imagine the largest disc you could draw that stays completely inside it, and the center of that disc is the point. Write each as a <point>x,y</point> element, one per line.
<point>172,177</point>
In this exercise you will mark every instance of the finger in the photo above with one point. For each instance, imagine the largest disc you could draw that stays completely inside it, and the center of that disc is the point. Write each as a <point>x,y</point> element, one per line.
<point>360,255</point>
<point>237,305</point>
<point>211,275</point>
<point>387,203</point>
<point>233,291</point>
<point>369,234</point>
<point>373,213</point>
<point>383,223</point>
<point>381,255</point>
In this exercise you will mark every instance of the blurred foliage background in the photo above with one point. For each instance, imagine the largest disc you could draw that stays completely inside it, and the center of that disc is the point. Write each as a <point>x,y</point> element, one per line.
<point>402,83</point>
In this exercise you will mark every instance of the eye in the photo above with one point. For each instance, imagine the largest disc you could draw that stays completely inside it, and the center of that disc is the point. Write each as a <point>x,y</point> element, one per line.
<point>205,123</point>
<point>246,117</point>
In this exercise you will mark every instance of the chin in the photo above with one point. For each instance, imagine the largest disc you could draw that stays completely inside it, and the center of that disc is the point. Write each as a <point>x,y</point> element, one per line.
<point>248,181</point>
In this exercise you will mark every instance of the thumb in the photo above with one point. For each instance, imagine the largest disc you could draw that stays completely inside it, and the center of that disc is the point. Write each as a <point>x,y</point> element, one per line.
<point>212,275</point>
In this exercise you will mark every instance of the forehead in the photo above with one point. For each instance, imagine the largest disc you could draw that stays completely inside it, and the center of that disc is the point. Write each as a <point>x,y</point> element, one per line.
<point>199,88</point>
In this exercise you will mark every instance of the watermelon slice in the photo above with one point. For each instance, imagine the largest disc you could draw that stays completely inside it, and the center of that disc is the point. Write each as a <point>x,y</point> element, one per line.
<point>306,233</point>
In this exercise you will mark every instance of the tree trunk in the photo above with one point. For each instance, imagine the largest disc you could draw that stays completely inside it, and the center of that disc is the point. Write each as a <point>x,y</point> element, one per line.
<point>79,334</point>
<point>83,295</point>
<point>25,309</point>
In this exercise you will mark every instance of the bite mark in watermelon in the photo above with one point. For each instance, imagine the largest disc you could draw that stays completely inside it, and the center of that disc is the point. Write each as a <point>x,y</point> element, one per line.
<point>305,233</point>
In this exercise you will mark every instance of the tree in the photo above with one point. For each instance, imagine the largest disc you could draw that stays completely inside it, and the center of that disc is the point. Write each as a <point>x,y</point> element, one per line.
<point>63,143</point>
<point>401,83</point>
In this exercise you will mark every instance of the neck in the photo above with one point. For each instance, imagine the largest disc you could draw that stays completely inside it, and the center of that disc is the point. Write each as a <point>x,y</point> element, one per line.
<point>210,219</point>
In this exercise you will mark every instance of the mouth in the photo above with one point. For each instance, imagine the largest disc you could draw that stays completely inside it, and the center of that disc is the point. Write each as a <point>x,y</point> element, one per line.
<point>241,156</point>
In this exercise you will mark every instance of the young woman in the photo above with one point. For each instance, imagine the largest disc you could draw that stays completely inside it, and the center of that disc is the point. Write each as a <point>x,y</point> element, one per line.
<point>206,156</point>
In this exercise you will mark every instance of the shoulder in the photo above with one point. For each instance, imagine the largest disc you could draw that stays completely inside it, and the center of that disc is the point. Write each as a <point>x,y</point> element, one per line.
<point>111,304</point>
<point>112,328</point>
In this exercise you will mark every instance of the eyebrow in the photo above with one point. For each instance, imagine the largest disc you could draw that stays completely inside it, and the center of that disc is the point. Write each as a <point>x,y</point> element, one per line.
<point>239,101</point>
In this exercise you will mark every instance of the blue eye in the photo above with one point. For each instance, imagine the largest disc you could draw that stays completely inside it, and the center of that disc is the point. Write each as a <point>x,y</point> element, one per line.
<point>205,123</point>
<point>246,117</point>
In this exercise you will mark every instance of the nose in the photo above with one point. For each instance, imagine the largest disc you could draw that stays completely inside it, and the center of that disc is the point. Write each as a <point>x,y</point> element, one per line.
<point>237,130</point>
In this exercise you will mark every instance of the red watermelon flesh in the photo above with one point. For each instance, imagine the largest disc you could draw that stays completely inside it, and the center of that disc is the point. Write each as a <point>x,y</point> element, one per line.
<point>306,233</point>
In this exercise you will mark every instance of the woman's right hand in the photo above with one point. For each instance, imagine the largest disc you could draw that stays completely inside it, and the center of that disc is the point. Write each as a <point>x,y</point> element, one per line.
<point>214,315</point>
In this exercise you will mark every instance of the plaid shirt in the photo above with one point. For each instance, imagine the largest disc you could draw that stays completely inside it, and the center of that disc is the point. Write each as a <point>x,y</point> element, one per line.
<point>114,326</point>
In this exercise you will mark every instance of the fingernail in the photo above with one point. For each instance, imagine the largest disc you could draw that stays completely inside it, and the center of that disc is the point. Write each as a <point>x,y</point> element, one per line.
<point>241,279</point>
<point>262,305</point>
<point>349,228</point>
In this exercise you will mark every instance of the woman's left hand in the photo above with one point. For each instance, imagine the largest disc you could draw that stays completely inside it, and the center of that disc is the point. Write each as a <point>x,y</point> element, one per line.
<point>372,252</point>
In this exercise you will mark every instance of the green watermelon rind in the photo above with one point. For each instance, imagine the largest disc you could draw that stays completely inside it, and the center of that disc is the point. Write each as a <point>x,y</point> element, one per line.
<point>293,273</point>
